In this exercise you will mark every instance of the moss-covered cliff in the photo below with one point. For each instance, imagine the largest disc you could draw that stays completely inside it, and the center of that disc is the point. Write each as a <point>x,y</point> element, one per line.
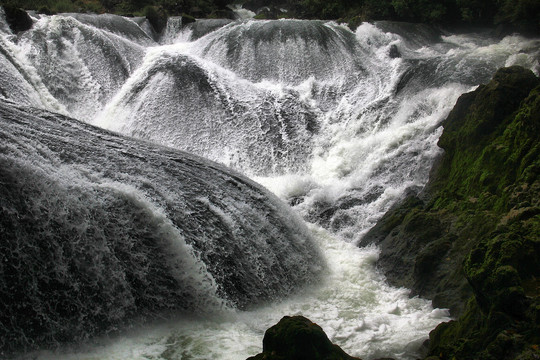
<point>471,242</point>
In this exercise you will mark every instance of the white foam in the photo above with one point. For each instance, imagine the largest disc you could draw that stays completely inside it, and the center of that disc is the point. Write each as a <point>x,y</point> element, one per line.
<point>373,141</point>
<point>34,90</point>
<point>81,73</point>
<point>241,13</point>
<point>354,306</point>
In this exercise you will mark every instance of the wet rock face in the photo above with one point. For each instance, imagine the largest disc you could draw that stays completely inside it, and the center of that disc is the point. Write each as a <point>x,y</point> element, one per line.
<point>477,115</point>
<point>112,232</point>
<point>474,232</point>
<point>297,338</point>
<point>419,251</point>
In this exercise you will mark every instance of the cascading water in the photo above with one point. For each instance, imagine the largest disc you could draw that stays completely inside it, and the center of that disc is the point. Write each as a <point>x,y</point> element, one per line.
<point>339,124</point>
<point>83,60</point>
<point>130,228</point>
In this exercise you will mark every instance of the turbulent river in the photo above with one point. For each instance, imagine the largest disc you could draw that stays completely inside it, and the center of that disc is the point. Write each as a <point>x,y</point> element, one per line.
<point>135,223</point>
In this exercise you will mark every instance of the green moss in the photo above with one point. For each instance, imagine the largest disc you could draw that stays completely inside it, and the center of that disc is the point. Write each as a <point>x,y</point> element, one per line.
<point>260,16</point>
<point>457,337</point>
<point>487,149</point>
<point>62,6</point>
<point>187,19</point>
<point>490,168</point>
<point>44,10</point>
<point>479,231</point>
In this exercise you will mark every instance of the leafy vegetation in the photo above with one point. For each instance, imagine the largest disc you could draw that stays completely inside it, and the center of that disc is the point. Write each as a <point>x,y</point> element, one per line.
<point>521,14</point>
<point>199,8</point>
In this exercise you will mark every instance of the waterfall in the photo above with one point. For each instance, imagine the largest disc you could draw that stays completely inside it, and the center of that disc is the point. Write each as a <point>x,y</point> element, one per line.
<point>105,227</point>
<point>338,124</point>
<point>82,59</point>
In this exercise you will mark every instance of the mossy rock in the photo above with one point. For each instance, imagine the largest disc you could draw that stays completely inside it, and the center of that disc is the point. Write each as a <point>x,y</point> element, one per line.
<point>476,232</point>
<point>485,141</point>
<point>477,115</point>
<point>269,13</point>
<point>261,16</point>
<point>493,155</point>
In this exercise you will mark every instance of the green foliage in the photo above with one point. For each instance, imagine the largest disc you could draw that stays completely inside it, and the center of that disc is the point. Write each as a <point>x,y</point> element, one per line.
<point>156,16</point>
<point>378,9</point>
<point>325,9</point>
<point>519,11</point>
<point>44,10</point>
<point>522,14</point>
<point>65,6</point>
<point>57,6</point>
<point>477,11</point>
<point>420,10</point>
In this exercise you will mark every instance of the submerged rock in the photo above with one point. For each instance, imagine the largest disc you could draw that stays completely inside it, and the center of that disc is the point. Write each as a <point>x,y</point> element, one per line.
<point>298,338</point>
<point>475,231</point>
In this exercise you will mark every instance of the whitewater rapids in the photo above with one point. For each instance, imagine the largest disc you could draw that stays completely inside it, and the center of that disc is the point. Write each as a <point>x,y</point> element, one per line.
<point>338,124</point>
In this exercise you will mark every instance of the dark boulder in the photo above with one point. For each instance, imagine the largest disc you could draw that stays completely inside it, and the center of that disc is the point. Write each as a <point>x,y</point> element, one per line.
<point>255,5</point>
<point>297,338</point>
<point>187,19</point>
<point>394,52</point>
<point>418,251</point>
<point>18,19</point>
<point>222,14</point>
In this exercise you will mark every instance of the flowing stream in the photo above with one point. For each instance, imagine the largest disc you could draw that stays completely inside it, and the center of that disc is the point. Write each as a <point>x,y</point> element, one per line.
<point>338,124</point>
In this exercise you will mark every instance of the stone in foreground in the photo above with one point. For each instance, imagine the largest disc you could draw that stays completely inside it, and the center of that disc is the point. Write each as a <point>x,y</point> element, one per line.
<point>298,338</point>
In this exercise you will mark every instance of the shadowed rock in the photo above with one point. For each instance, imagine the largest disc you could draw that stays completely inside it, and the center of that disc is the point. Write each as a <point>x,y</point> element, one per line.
<point>17,19</point>
<point>297,338</point>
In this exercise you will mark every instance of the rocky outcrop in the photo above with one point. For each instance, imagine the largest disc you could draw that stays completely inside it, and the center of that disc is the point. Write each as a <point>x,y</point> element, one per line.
<point>297,338</point>
<point>471,240</point>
